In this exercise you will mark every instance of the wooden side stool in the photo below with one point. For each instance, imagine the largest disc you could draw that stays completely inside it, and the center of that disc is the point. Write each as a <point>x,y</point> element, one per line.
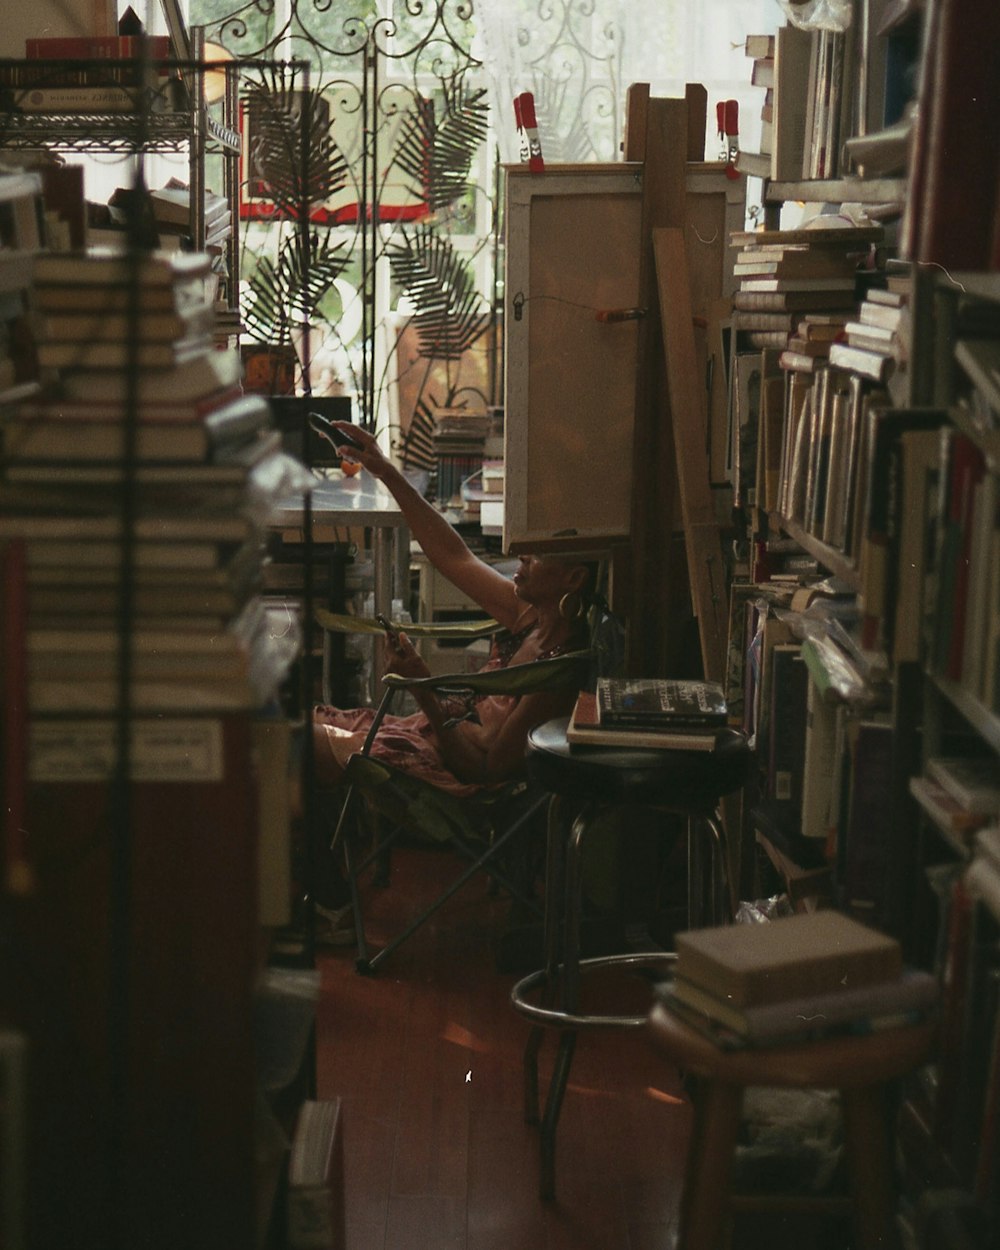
<point>858,1067</point>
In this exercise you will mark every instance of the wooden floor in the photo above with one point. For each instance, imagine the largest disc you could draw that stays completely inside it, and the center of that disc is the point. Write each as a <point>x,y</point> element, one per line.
<point>426,1056</point>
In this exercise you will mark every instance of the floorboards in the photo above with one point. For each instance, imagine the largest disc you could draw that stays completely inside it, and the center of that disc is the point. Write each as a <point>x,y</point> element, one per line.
<point>427,1058</point>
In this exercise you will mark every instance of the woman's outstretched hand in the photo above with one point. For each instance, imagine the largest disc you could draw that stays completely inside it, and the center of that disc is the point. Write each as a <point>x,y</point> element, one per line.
<point>403,658</point>
<point>369,454</point>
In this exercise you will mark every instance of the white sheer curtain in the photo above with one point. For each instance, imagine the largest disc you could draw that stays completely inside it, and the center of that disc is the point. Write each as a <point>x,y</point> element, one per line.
<point>578,58</point>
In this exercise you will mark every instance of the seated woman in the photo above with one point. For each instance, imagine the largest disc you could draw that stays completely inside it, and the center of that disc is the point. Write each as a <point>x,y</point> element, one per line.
<point>543,609</point>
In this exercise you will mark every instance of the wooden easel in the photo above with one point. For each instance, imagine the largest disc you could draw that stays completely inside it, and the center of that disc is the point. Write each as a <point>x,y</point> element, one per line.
<point>670,458</point>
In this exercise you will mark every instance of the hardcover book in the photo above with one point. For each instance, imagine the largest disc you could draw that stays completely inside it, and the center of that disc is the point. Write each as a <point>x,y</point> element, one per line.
<point>585,730</point>
<point>792,301</point>
<point>645,701</point>
<point>807,953</point>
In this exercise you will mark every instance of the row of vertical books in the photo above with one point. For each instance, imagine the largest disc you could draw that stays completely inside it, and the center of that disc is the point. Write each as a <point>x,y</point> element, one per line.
<point>92,74</point>
<point>929,551</point>
<point>798,291</point>
<point>458,439</point>
<point>137,485</point>
<point>815,704</point>
<point>838,95</point>
<point>810,106</point>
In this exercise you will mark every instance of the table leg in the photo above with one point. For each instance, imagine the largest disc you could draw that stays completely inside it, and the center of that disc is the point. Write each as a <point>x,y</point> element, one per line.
<point>382,537</point>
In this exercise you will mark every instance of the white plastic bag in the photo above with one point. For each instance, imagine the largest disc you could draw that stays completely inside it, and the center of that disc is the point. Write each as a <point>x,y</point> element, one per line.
<point>819,14</point>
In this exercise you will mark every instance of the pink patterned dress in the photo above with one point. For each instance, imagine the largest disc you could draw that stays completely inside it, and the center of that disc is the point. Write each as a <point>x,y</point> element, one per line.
<point>408,742</point>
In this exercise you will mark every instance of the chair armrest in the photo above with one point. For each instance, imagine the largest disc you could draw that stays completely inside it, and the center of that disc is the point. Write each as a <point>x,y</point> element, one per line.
<point>340,623</point>
<point>560,672</point>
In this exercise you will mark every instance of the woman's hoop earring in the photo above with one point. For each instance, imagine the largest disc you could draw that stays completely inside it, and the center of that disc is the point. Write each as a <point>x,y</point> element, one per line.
<point>577,600</point>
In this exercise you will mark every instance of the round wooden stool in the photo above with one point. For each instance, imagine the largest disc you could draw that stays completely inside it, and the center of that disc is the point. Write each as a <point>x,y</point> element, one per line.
<point>583,781</point>
<point>858,1067</point>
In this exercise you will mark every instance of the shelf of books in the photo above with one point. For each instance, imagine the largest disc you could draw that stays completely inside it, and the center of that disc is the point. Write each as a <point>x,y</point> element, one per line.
<point>864,645</point>
<point>111,104</point>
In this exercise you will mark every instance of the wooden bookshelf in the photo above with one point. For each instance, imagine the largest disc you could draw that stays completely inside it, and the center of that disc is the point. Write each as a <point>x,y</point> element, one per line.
<point>921,567</point>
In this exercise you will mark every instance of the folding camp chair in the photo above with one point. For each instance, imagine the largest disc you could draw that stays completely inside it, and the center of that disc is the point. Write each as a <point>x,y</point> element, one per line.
<point>481,829</point>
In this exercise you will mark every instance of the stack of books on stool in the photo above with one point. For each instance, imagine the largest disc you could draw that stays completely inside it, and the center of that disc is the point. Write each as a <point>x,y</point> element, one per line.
<point>649,712</point>
<point>800,978</point>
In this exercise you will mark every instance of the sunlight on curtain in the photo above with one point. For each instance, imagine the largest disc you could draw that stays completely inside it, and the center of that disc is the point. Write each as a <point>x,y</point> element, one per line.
<point>578,58</point>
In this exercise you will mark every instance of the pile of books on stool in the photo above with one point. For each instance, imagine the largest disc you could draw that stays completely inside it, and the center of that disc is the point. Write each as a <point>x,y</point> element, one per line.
<point>649,712</point>
<point>799,978</point>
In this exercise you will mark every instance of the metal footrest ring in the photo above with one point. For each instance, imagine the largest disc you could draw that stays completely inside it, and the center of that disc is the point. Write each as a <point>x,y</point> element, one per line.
<point>555,1017</point>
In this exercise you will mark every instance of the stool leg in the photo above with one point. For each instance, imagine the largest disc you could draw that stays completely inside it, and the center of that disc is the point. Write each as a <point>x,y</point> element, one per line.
<point>708,901</point>
<point>709,1164</point>
<point>721,905</point>
<point>555,870</point>
<point>867,1136</point>
<point>553,1106</point>
<point>569,999</point>
<point>695,876</point>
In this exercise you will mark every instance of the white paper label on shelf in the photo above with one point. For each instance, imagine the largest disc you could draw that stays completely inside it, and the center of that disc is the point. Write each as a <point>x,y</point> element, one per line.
<point>182,750</point>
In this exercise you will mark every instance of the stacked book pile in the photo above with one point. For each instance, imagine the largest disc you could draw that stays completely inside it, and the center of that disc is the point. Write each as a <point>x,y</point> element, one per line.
<point>170,208</point>
<point>785,275</point>
<point>760,49</point>
<point>807,348</point>
<point>166,213</point>
<point>802,977</point>
<point>80,333</point>
<point>875,343</point>
<point>141,505</point>
<point>649,712</point>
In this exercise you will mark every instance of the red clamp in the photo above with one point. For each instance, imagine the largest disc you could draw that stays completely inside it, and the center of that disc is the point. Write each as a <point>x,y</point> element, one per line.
<point>727,120</point>
<point>527,129</point>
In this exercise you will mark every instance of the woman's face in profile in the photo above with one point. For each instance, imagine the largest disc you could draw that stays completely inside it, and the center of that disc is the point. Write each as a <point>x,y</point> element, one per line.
<point>540,578</point>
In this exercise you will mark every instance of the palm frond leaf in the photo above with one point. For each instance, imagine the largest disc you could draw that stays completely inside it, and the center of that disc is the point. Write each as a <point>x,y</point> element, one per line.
<point>280,119</point>
<point>449,316</point>
<point>437,155</point>
<point>417,445</point>
<point>288,291</point>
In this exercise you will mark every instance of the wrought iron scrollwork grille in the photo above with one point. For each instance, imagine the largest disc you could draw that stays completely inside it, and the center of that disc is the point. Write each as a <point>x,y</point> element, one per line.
<point>390,148</point>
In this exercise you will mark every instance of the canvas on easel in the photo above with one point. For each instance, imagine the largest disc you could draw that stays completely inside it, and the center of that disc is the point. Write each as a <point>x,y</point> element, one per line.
<point>571,353</point>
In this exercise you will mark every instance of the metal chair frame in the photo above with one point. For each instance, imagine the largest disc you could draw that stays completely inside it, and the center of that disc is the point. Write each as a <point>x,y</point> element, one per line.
<point>487,816</point>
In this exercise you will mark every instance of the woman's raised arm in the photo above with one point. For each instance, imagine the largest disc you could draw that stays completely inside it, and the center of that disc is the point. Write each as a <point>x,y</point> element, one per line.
<point>442,545</point>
